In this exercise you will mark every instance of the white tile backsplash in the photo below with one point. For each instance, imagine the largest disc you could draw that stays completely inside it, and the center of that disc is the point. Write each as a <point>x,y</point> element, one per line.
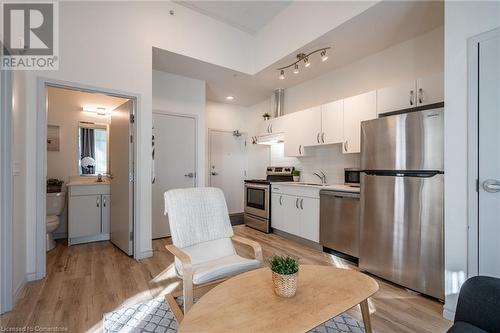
<point>327,158</point>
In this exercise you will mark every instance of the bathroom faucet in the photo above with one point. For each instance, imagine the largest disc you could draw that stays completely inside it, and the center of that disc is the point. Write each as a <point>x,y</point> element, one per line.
<point>321,177</point>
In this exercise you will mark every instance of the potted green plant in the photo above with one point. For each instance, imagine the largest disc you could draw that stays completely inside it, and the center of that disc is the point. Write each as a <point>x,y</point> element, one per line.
<point>285,272</point>
<point>296,175</point>
<point>266,116</point>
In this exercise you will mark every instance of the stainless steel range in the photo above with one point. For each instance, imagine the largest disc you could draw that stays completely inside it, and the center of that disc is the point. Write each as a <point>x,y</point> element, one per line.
<point>258,197</point>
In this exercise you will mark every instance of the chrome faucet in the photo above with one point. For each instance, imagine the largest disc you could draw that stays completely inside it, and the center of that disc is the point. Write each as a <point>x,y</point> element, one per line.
<point>321,177</point>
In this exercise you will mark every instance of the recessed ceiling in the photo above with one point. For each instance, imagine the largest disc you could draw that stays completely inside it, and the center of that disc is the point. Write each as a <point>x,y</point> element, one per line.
<point>384,25</point>
<point>248,16</point>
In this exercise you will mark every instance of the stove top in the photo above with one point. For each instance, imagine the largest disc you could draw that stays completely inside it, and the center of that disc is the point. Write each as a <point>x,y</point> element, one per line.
<point>274,174</point>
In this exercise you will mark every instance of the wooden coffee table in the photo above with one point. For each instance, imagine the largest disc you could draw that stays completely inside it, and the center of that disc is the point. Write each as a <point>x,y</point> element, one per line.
<point>247,303</point>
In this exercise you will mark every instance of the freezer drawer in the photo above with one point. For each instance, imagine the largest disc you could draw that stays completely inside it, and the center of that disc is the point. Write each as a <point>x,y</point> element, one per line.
<point>402,230</point>
<point>410,141</point>
<point>339,221</point>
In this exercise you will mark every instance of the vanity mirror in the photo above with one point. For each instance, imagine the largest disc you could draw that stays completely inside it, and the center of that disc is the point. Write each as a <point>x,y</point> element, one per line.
<point>92,149</point>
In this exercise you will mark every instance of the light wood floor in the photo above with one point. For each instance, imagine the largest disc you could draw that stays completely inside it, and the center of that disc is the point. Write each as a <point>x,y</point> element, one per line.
<point>85,281</point>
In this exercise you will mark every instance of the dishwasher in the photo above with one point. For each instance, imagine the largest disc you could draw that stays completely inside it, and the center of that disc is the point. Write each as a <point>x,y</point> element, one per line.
<point>339,222</point>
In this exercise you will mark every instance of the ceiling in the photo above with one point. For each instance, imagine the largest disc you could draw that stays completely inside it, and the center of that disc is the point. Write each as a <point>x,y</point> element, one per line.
<point>383,25</point>
<point>248,16</point>
<point>81,99</point>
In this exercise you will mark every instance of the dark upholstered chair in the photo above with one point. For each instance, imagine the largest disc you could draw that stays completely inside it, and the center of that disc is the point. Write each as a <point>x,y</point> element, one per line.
<point>478,308</point>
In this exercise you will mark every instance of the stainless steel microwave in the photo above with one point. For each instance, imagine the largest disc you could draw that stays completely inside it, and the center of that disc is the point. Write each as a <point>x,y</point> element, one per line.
<point>352,176</point>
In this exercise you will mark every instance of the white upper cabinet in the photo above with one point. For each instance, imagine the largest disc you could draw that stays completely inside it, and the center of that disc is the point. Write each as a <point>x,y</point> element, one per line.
<point>271,126</point>
<point>410,94</point>
<point>302,129</point>
<point>399,97</point>
<point>430,89</point>
<point>332,127</point>
<point>357,109</point>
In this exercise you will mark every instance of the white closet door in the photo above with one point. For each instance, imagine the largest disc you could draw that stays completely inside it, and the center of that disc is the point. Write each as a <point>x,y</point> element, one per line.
<point>489,156</point>
<point>174,163</point>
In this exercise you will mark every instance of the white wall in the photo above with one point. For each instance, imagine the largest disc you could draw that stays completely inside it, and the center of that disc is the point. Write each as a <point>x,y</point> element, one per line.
<point>19,182</point>
<point>409,60</point>
<point>112,55</point>
<point>462,21</point>
<point>182,95</point>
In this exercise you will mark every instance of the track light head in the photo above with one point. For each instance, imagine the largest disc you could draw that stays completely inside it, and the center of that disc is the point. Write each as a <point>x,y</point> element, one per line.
<point>282,74</point>
<point>306,62</point>
<point>324,57</point>
<point>296,69</point>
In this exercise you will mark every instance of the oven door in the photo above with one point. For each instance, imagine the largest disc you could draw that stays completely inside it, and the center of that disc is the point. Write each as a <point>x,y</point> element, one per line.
<point>257,200</point>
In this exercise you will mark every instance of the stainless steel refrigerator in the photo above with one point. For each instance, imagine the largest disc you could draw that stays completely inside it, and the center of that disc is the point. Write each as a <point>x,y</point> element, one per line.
<point>402,200</point>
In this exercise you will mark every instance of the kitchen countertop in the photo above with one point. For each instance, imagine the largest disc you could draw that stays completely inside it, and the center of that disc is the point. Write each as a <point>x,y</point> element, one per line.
<point>333,187</point>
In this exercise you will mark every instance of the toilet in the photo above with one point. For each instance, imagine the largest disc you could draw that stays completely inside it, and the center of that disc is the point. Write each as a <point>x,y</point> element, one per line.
<point>55,206</point>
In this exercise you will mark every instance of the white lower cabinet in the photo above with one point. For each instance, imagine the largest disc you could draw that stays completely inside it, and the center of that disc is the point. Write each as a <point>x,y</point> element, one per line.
<point>295,214</point>
<point>89,214</point>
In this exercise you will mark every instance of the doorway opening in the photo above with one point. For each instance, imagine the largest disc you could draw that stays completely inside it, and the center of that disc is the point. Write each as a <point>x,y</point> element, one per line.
<point>86,190</point>
<point>174,162</point>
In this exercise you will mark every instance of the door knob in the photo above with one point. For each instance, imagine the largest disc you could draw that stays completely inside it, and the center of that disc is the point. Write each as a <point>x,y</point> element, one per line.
<point>190,175</point>
<point>491,185</point>
<point>213,173</point>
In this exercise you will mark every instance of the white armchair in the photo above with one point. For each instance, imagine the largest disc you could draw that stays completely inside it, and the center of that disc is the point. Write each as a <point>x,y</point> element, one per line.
<point>202,239</point>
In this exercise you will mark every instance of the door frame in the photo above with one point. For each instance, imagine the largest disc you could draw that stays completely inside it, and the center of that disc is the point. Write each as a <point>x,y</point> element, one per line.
<point>6,253</point>
<point>473,150</point>
<point>41,158</point>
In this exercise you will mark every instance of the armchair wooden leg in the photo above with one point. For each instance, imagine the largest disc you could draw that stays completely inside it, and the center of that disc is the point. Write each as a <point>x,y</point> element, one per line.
<point>187,288</point>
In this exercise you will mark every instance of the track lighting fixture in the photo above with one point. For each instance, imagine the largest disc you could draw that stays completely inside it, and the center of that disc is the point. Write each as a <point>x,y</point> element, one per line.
<point>303,57</point>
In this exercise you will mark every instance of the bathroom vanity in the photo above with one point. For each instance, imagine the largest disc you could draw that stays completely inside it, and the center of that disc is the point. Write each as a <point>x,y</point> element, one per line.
<point>88,211</point>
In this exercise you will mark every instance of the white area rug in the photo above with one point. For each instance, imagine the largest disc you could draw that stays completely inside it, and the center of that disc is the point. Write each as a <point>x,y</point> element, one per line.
<point>155,316</point>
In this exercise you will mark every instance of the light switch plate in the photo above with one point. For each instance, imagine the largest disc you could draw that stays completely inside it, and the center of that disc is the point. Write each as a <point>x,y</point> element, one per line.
<point>16,168</point>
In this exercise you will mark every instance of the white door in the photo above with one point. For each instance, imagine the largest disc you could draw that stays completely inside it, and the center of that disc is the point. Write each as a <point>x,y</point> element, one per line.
<point>332,118</point>
<point>228,166</point>
<point>121,170</point>
<point>174,163</point>
<point>489,156</point>
<point>357,109</point>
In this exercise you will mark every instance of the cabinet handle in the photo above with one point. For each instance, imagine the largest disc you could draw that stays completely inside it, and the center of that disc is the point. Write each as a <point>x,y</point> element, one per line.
<point>345,145</point>
<point>420,96</point>
<point>411,97</point>
<point>301,204</point>
<point>97,202</point>
<point>281,203</point>
<point>300,149</point>
<point>104,201</point>
<point>297,203</point>
<point>271,128</point>
<point>317,137</point>
<point>323,137</point>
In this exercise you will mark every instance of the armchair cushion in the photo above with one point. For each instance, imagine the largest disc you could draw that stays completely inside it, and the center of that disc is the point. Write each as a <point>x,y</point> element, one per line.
<point>222,267</point>
<point>197,215</point>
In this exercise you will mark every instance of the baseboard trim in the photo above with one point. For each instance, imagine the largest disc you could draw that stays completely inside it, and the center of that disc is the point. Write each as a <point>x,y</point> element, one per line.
<point>236,218</point>
<point>448,314</point>
<point>31,277</point>
<point>19,289</point>
<point>144,255</point>
<point>88,239</point>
